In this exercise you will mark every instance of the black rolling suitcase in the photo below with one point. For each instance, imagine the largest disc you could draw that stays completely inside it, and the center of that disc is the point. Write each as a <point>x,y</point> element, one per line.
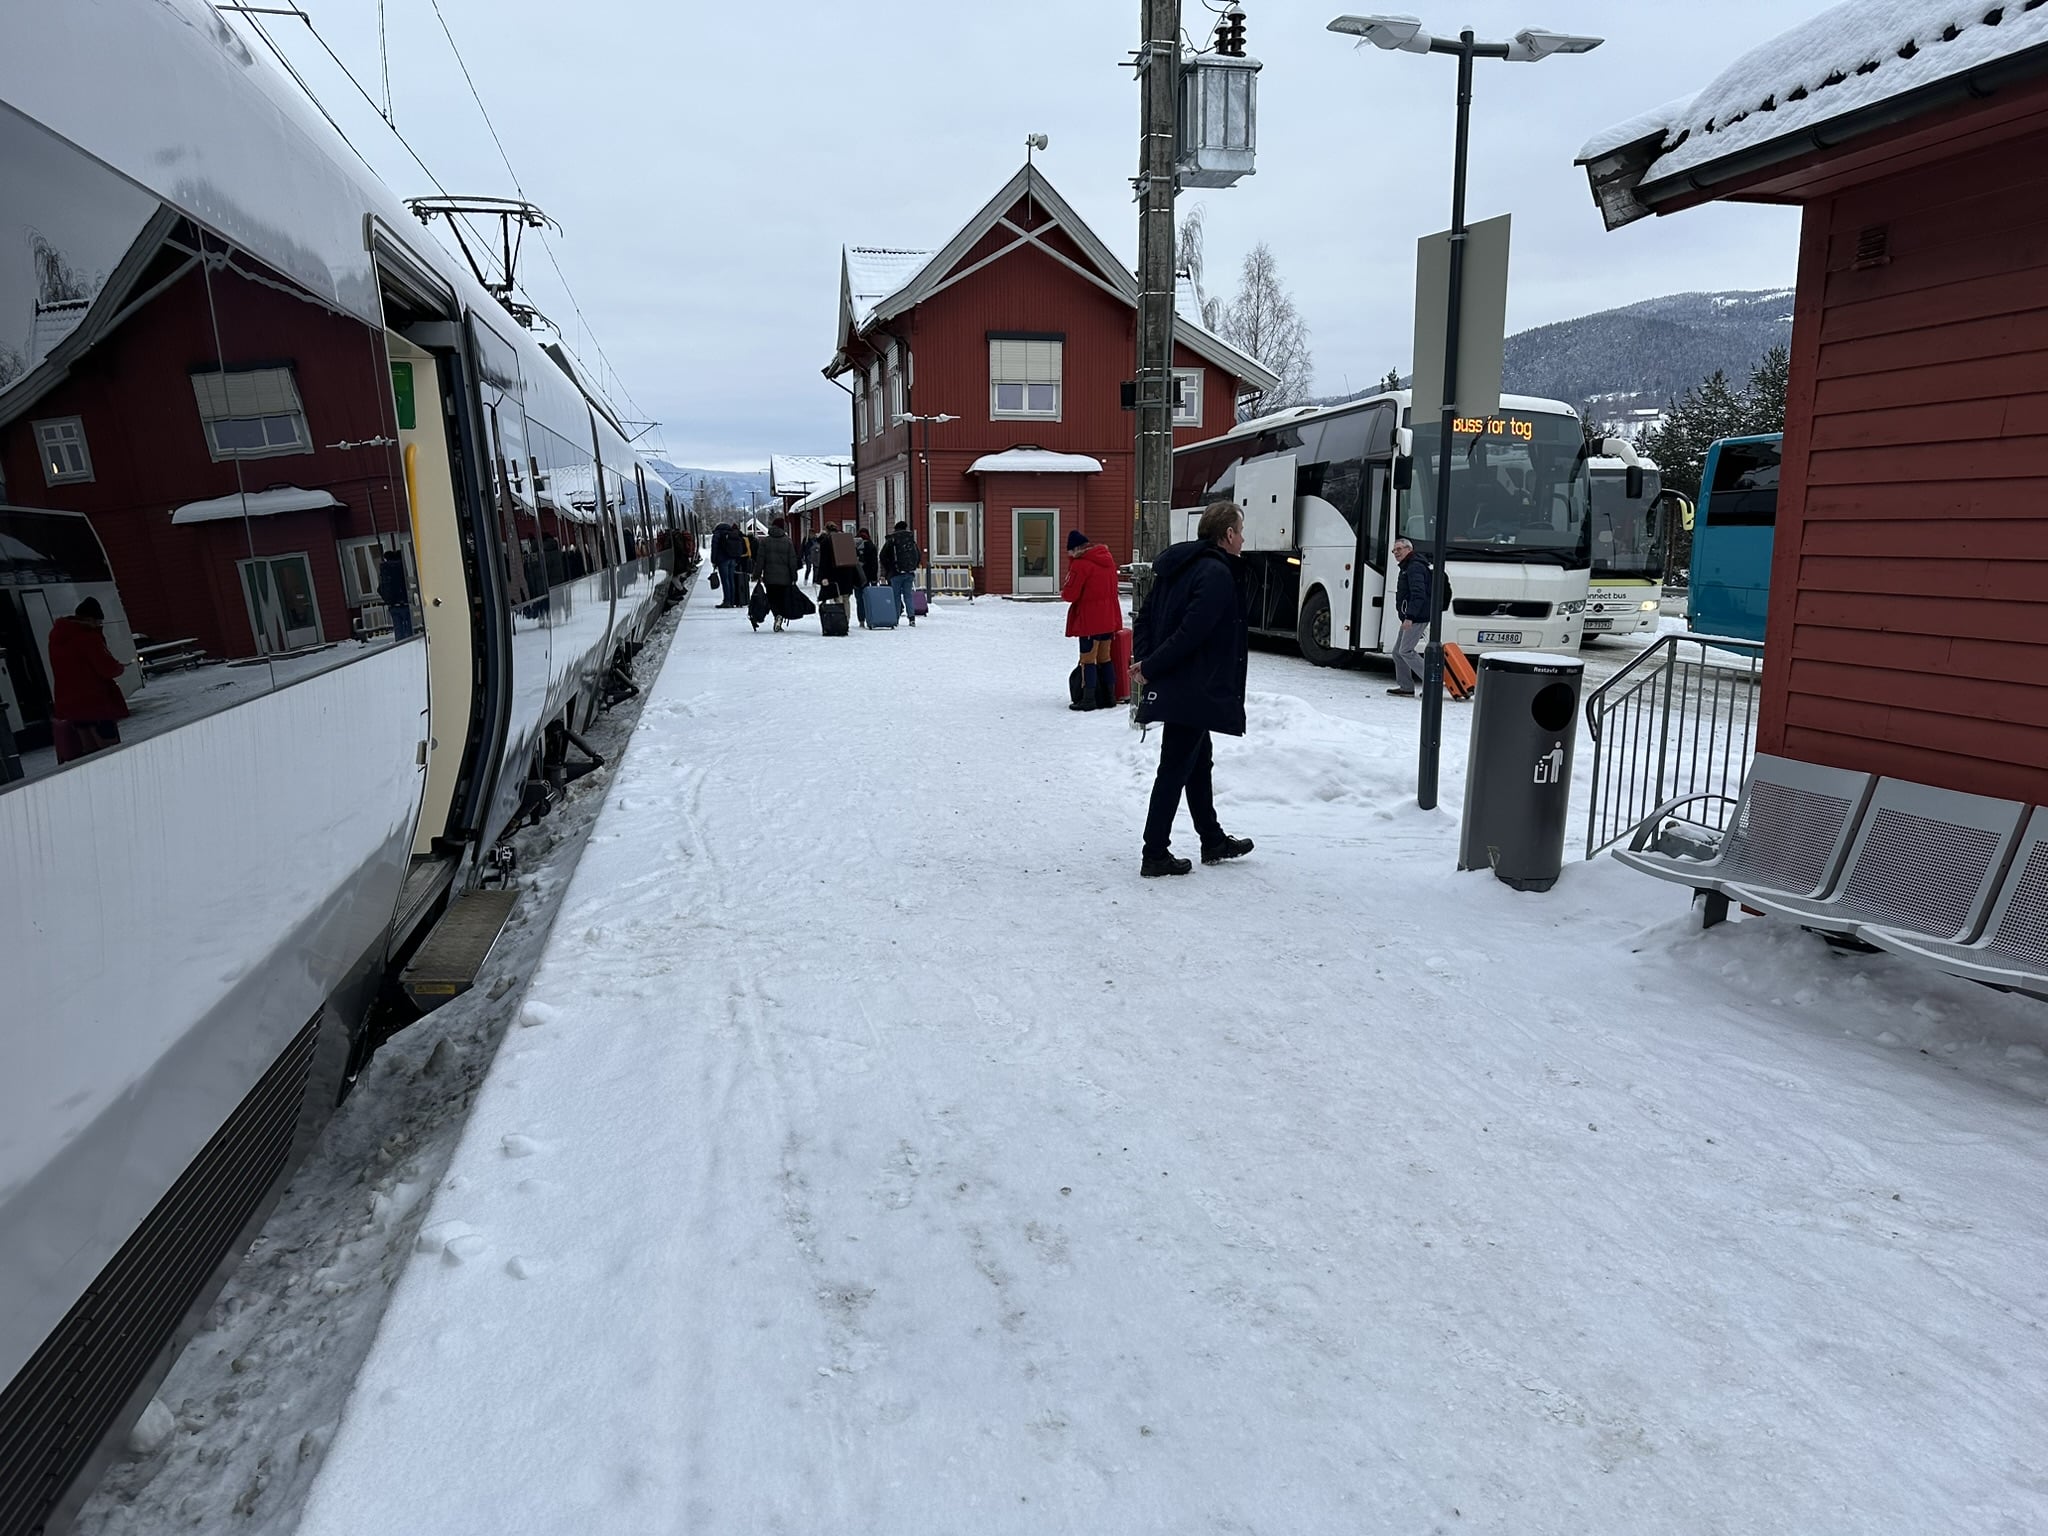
<point>832,616</point>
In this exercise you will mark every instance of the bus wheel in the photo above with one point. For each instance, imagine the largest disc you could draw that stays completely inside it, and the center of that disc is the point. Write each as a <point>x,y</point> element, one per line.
<point>1312,633</point>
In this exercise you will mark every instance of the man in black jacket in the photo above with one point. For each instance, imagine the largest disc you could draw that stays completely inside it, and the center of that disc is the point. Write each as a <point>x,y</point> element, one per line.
<point>1414,597</point>
<point>1190,656</point>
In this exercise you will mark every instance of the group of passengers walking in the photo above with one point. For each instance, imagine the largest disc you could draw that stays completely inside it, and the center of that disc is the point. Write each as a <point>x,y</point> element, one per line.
<point>840,565</point>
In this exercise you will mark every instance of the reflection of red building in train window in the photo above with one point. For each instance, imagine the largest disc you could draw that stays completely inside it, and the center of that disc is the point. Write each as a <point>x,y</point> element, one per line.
<point>229,480</point>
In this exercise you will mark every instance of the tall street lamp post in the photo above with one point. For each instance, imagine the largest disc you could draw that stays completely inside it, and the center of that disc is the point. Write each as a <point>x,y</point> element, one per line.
<point>1526,47</point>
<point>899,419</point>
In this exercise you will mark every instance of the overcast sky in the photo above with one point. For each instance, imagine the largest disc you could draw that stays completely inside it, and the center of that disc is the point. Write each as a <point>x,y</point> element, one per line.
<point>708,161</point>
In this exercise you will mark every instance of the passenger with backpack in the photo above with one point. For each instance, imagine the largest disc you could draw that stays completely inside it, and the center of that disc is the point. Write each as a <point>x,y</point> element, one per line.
<point>1094,615</point>
<point>900,561</point>
<point>1415,603</point>
<point>1191,654</point>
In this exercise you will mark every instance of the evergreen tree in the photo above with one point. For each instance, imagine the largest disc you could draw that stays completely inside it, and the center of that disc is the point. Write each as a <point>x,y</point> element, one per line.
<point>1766,394</point>
<point>1392,381</point>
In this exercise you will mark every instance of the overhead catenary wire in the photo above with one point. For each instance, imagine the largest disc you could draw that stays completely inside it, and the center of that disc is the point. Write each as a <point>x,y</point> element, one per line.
<point>611,374</point>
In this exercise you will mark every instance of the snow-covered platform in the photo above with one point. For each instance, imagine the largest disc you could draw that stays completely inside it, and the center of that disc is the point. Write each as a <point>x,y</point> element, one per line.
<point>881,1155</point>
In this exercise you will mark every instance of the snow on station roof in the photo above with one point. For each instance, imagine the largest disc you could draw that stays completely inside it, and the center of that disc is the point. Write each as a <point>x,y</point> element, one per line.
<point>285,498</point>
<point>1853,59</point>
<point>1034,461</point>
<point>874,272</point>
<point>801,474</point>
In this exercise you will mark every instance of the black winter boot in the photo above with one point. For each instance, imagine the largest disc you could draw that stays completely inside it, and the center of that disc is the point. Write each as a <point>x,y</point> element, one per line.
<point>1164,864</point>
<point>1226,848</point>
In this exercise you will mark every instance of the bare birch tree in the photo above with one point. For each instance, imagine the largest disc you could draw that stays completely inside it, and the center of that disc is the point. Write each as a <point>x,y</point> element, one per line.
<point>1262,321</point>
<point>1190,262</point>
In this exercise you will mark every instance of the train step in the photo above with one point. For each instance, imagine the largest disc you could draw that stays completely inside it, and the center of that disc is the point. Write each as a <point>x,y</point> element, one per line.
<point>445,966</point>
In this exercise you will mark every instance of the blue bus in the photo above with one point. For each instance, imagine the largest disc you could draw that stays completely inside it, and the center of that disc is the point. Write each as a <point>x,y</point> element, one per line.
<point>1731,537</point>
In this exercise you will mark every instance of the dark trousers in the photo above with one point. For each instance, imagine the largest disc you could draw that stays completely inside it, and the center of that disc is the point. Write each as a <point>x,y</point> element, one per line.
<point>1185,758</point>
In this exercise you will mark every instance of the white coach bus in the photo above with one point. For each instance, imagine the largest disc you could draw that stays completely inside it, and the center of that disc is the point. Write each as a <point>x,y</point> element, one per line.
<point>1327,490</point>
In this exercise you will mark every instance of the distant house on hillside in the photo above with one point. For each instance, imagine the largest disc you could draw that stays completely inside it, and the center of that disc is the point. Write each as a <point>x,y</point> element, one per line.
<point>1022,327</point>
<point>1908,620</point>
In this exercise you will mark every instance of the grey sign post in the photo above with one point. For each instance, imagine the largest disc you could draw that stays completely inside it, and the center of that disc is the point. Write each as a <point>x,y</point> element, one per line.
<point>1408,35</point>
<point>1482,320</point>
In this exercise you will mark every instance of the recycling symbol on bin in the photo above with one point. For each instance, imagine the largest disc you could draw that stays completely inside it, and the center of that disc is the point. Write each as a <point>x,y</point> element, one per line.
<point>1550,766</point>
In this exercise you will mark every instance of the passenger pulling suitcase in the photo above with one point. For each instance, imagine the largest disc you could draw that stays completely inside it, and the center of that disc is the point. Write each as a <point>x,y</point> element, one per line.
<point>878,607</point>
<point>832,616</point>
<point>1459,678</point>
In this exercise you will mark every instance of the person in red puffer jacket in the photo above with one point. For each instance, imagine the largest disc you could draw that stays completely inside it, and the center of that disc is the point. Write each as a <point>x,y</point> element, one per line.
<point>86,698</point>
<point>1094,615</point>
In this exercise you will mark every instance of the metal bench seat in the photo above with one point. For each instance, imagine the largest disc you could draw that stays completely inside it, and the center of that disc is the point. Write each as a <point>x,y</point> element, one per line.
<point>2012,955</point>
<point>1925,860</point>
<point>1790,831</point>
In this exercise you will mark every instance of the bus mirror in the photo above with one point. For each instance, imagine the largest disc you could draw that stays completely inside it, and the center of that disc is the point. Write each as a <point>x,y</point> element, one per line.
<point>1404,472</point>
<point>1634,485</point>
<point>1686,515</point>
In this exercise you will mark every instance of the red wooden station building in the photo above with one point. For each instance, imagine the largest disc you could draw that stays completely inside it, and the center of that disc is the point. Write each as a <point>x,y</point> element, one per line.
<point>1908,620</point>
<point>1022,328</point>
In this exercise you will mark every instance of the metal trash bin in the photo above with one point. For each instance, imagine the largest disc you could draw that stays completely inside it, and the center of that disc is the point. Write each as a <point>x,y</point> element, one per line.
<point>1518,768</point>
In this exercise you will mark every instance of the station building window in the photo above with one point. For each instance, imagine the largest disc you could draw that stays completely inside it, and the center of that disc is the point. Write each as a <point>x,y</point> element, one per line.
<point>251,413</point>
<point>1024,377</point>
<point>66,460</point>
<point>1187,397</point>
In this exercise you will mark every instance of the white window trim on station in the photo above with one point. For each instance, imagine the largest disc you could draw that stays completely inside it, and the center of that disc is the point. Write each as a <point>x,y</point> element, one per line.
<point>60,442</point>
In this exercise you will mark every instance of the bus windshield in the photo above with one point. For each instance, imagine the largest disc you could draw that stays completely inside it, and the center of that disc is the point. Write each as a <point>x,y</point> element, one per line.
<point>1519,489</point>
<point>1628,536</point>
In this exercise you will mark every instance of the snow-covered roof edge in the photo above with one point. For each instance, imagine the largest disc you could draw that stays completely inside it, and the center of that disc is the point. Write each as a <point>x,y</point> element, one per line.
<point>1035,461</point>
<point>1030,180</point>
<point>1856,68</point>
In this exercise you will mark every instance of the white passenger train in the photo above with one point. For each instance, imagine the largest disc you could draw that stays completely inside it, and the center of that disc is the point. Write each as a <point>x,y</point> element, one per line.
<point>367,555</point>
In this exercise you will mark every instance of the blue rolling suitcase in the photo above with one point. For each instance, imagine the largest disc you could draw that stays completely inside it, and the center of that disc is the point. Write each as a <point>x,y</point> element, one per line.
<point>878,607</point>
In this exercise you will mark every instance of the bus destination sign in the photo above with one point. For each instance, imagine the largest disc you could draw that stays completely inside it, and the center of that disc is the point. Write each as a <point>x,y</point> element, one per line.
<point>1518,427</point>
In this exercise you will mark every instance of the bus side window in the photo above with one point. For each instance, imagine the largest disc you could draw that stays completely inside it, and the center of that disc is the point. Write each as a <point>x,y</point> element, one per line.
<point>1341,451</point>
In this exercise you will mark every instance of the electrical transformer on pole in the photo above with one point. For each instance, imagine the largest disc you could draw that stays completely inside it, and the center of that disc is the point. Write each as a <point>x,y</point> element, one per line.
<point>1195,129</point>
<point>1158,87</point>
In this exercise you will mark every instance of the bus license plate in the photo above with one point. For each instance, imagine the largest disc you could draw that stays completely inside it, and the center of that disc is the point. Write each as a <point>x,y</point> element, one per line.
<point>1593,625</point>
<point>1500,637</point>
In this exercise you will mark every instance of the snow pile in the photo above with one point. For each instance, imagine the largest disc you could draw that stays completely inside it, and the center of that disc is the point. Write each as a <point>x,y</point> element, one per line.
<point>1847,58</point>
<point>879,1154</point>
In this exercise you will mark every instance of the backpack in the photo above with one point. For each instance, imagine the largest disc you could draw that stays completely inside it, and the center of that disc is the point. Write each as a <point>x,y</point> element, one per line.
<point>903,545</point>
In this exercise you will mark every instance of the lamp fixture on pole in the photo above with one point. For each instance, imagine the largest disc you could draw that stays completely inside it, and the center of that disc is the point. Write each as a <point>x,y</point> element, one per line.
<point>1406,34</point>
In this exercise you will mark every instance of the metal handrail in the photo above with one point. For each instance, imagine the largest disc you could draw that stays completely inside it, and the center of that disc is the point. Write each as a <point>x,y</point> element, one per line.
<point>1672,727</point>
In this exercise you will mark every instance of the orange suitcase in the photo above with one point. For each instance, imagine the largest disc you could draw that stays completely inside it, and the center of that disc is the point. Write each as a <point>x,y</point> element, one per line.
<point>1460,680</point>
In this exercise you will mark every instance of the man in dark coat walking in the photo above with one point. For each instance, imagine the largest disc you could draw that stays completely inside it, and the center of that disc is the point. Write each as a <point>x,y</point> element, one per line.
<point>1190,659</point>
<point>1414,602</point>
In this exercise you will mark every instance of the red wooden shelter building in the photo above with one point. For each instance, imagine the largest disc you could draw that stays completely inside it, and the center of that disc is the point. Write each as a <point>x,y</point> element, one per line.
<point>1908,620</point>
<point>1023,328</point>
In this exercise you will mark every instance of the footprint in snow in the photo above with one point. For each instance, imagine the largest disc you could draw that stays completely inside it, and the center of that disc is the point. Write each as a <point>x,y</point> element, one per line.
<point>456,1241</point>
<point>517,1145</point>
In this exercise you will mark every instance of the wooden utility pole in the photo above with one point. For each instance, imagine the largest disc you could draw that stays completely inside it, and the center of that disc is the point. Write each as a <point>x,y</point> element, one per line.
<point>1159,89</point>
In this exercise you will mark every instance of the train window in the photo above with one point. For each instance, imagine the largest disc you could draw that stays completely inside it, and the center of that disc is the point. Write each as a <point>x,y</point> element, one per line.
<point>299,417</point>
<point>122,542</point>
